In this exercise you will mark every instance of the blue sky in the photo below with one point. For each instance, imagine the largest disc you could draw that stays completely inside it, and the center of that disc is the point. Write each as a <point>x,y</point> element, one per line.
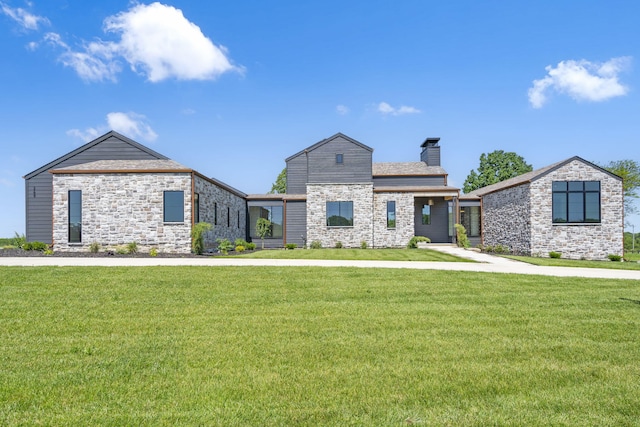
<point>233,88</point>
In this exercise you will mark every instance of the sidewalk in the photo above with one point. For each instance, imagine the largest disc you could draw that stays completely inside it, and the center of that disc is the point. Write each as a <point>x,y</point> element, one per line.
<point>486,264</point>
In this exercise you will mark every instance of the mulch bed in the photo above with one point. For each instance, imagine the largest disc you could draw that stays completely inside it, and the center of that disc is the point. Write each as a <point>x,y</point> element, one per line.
<point>102,254</point>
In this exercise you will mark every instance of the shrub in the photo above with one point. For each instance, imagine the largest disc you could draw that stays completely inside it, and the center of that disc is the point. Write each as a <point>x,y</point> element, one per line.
<point>413,242</point>
<point>18,240</point>
<point>35,246</point>
<point>338,245</point>
<point>48,251</point>
<point>316,244</point>
<point>94,247</point>
<point>500,249</point>
<point>240,242</point>
<point>250,246</point>
<point>122,250</point>
<point>240,248</point>
<point>461,236</point>
<point>554,254</point>
<point>363,244</point>
<point>614,257</point>
<point>224,245</point>
<point>153,252</point>
<point>290,246</point>
<point>132,248</point>
<point>197,236</point>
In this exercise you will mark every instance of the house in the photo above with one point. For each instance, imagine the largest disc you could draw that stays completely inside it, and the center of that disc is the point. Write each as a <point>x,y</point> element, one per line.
<point>573,207</point>
<point>114,191</point>
<point>337,195</point>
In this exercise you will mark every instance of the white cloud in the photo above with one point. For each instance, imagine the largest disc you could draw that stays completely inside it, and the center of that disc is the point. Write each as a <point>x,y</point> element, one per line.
<point>27,20</point>
<point>385,108</point>
<point>581,80</point>
<point>7,182</point>
<point>342,110</point>
<point>156,40</point>
<point>129,124</point>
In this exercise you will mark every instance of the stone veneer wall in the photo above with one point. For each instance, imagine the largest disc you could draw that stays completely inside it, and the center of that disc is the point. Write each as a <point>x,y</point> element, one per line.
<point>393,237</point>
<point>121,208</point>
<point>211,195</point>
<point>576,241</point>
<point>506,219</point>
<point>362,197</point>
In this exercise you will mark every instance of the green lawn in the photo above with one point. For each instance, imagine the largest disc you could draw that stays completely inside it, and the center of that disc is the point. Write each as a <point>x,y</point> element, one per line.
<point>559,262</point>
<point>314,347</point>
<point>357,254</point>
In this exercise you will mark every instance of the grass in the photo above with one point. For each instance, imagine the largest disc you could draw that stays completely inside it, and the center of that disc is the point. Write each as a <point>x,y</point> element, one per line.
<point>559,262</point>
<point>357,254</point>
<point>632,256</point>
<point>310,346</point>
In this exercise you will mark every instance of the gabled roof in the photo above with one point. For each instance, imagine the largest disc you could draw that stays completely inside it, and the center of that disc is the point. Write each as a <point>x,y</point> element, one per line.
<point>406,169</point>
<point>532,176</point>
<point>326,141</point>
<point>90,144</point>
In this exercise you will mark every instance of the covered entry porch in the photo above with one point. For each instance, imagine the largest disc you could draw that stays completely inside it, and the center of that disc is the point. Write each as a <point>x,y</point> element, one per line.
<point>435,214</point>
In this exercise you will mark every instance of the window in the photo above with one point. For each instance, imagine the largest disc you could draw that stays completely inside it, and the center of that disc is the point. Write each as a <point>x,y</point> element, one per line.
<point>339,158</point>
<point>215,213</point>
<point>238,219</point>
<point>75,216</point>
<point>196,207</point>
<point>470,219</point>
<point>426,214</point>
<point>576,202</point>
<point>228,216</point>
<point>391,214</point>
<point>273,213</point>
<point>174,206</point>
<point>340,214</point>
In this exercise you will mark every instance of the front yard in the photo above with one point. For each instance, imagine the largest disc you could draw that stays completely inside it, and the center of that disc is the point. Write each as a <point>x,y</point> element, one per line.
<point>315,346</point>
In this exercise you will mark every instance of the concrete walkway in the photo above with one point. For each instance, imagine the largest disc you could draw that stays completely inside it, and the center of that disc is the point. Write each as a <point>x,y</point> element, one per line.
<point>486,263</point>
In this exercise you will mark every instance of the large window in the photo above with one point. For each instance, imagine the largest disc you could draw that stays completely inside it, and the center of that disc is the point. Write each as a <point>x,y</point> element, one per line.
<point>273,213</point>
<point>340,214</point>
<point>426,214</point>
<point>391,214</point>
<point>174,206</point>
<point>75,216</point>
<point>576,201</point>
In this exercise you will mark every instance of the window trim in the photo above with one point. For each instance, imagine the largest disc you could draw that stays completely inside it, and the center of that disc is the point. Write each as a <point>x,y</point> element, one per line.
<point>568,201</point>
<point>164,207</point>
<point>393,212</point>
<point>340,207</point>
<point>71,206</point>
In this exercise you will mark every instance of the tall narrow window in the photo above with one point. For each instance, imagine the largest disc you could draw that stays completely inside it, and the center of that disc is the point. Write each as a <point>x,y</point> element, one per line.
<point>215,214</point>
<point>75,216</point>
<point>426,214</point>
<point>339,158</point>
<point>391,214</point>
<point>576,201</point>
<point>174,206</point>
<point>238,219</point>
<point>340,214</point>
<point>196,207</point>
<point>228,216</point>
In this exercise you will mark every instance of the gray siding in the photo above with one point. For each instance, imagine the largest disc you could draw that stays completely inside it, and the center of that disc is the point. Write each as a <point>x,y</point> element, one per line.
<point>438,230</point>
<point>356,166</point>
<point>297,175</point>
<point>39,225</point>
<point>431,156</point>
<point>408,181</point>
<point>296,224</point>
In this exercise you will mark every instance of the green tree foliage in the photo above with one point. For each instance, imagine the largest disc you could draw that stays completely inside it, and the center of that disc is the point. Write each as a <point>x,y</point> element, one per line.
<point>280,186</point>
<point>629,171</point>
<point>263,228</point>
<point>495,167</point>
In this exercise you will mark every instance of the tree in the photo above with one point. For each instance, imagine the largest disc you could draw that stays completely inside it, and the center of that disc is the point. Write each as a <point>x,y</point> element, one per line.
<point>263,228</point>
<point>197,236</point>
<point>280,186</point>
<point>629,171</point>
<point>495,167</point>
